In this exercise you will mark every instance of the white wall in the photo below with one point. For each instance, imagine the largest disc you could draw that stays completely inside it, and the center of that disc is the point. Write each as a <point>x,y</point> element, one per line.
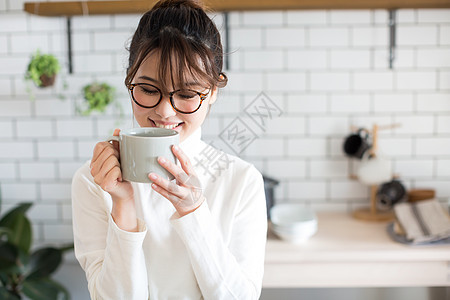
<point>325,69</point>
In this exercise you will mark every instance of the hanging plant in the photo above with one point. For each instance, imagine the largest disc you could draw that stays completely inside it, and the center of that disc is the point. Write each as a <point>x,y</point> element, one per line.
<point>97,97</point>
<point>42,69</point>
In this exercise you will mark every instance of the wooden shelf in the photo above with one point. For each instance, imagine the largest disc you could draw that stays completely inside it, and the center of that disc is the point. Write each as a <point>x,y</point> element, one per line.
<point>138,6</point>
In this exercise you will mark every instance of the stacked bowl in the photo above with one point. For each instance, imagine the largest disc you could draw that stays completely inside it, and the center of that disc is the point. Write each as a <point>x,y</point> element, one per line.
<point>292,222</point>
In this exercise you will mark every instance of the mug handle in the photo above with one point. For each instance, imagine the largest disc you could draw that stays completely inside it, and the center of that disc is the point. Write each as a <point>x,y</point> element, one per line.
<point>365,132</point>
<point>113,138</point>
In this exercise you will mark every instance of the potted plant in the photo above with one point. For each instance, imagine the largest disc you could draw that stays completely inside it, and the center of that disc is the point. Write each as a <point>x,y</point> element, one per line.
<point>42,69</point>
<point>25,272</point>
<point>97,97</point>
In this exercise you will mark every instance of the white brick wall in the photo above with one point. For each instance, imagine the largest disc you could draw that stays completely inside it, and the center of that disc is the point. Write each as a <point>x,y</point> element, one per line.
<point>417,35</point>
<point>306,59</point>
<point>433,16</point>
<point>310,17</point>
<point>37,170</point>
<point>326,70</point>
<point>393,103</point>
<point>285,37</point>
<point>416,80</point>
<point>444,37</point>
<point>370,36</point>
<point>349,103</point>
<point>350,17</point>
<point>263,60</point>
<point>433,146</point>
<point>373,81</point>
<point>307,190</point>
<point>350,59</point>
<point>8,171</point>
<point>443,168</point>
<point>328,37</point>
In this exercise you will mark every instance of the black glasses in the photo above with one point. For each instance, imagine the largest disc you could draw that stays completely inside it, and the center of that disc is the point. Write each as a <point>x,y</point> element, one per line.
<point>184,101</point>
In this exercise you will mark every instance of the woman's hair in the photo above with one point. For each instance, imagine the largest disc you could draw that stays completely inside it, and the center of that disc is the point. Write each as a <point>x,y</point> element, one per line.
<point>186,40</point>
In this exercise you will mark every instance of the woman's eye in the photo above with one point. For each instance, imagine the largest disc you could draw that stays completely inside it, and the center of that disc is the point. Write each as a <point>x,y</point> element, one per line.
<point>149,91</point>
<point>186,95</point>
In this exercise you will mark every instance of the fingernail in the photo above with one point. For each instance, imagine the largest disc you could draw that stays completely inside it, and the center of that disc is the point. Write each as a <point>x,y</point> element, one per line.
<point>175,147</point>
<point>162,160</point>
<point>153,176</point>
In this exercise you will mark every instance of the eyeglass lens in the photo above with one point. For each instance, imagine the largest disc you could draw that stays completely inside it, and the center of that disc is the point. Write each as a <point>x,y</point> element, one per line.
<point>183,100</point>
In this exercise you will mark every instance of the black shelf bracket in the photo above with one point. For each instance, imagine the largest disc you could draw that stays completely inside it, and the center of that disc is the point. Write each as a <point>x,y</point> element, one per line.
<point>69,44</point>
<point>392,37</point>
<point>226,24</point>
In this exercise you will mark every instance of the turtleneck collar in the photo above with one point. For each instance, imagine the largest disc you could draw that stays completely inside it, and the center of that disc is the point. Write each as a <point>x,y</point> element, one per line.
<point>189,143</point>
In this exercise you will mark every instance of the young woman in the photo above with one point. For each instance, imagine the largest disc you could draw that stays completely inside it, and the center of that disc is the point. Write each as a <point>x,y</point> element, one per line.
<point>201,236</point>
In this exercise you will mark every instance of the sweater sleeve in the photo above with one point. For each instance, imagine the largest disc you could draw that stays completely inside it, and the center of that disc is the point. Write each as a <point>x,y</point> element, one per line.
<point>231,270</point>
<point>112,259</point>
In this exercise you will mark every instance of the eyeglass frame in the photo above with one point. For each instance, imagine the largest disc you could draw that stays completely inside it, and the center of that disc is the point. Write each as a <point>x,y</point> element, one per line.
<point>203,96</point>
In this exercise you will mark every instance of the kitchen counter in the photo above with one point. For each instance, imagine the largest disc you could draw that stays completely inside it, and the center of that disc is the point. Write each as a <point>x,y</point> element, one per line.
<point>346,252</point>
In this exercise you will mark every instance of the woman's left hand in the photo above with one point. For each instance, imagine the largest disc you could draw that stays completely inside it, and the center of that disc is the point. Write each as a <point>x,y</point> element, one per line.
<point>186,194</point>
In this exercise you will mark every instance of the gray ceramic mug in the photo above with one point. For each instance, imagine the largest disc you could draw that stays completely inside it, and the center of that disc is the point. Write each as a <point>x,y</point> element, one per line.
<point>140,149</point>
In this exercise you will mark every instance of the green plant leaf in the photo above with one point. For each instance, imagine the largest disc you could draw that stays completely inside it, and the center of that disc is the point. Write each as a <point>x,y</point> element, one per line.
<point>1,201</point>
<point>41,64</point>
<point>8,255</point>
<point>43,262</point>
<point>3,279</point>
<point>20,226</point>
<point>20,209</point>
<point>44,289</point>
<point>7,295</point>
<point>97,97</point>
<point>21,232</point>
<point>5,233</point>
<point>66,248</point>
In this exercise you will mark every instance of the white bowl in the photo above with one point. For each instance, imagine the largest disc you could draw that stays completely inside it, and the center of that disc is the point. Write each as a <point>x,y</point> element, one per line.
<point>298,228</point>
<point>296,237</point>
<point>292,215</point>
<point>293,222</point>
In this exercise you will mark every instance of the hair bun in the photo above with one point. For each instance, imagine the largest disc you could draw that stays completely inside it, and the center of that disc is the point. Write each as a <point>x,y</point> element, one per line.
<point>190,3</point>
<point>186,41</point>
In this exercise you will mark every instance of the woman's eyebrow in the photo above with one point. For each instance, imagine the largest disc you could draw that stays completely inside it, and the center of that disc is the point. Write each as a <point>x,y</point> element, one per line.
<point>148,78</point>
<point>188,84</point>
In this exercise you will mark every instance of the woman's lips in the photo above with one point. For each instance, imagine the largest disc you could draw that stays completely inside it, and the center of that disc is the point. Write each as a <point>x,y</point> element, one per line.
<point>166,124</point>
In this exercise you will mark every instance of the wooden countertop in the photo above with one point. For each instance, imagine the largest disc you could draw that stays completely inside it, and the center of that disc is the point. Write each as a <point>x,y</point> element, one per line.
<point>344,243</point>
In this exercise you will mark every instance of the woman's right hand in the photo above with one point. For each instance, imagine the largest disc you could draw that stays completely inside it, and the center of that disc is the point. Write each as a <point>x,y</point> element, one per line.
<point>105,168</point>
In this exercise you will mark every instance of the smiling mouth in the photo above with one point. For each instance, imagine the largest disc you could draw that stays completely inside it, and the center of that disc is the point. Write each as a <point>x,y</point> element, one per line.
<point>166,126</point>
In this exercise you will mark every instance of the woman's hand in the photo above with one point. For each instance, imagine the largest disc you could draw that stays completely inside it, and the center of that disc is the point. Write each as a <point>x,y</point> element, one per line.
<point>186,194</point>
<point>105,168</point>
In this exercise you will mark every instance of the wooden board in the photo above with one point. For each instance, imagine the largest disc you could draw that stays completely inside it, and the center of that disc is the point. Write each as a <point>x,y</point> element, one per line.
<point>74,8</point>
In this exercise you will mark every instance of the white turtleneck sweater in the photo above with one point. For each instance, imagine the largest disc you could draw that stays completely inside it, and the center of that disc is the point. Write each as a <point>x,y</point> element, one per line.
<point>215,252</point>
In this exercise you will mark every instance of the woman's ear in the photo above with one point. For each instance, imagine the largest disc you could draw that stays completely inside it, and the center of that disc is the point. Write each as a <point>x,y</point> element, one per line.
<point>213,95</point>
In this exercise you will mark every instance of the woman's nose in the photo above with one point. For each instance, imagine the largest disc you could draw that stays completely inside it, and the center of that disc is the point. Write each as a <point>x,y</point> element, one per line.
<point>164,109</point>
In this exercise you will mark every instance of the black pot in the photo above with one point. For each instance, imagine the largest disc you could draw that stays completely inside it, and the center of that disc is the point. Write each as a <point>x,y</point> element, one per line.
<point>269,185</point>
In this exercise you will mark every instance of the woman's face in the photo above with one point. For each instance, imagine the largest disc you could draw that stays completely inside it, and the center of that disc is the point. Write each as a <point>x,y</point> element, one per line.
<point>163,115</point>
